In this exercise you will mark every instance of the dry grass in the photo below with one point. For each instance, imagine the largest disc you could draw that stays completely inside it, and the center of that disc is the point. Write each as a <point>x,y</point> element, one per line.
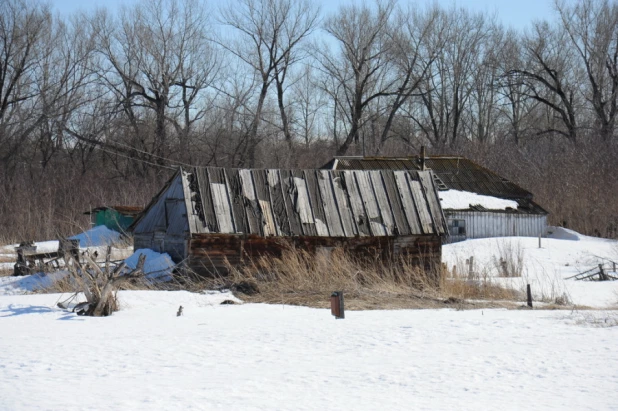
<point>301,278</point>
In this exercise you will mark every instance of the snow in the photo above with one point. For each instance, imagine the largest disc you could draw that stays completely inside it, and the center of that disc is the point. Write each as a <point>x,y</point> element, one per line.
<point>29,283</point>
<point>463,200</point>
<point>269,357</point>
<point>97,237</point>
<point>156,265</point>
<point>547,268</point>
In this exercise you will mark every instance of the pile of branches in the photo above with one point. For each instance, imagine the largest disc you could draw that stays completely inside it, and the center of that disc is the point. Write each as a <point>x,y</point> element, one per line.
<point>100,283</point>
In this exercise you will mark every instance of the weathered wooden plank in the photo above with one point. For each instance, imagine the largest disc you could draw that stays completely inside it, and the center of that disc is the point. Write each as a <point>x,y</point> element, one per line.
<point>288,191</point>
<point>407,202</point>
<point>330,204</point>
<point>317,207</point>
<point>192,215</point>
<point>431,194</point>
<point>384,205</point>
<point>369,201</point>
<point>421,205</point>
<point>356,203</point>
<point>282,222</point>
<point>208,211</point>
<point>176,216</point>
<point>343,204</point>
<point>400,221</point>
<point>250,203</point>
<point>237,201</point>
<point>302,204</point>
<point>221,200</point>
<point>260,182</point>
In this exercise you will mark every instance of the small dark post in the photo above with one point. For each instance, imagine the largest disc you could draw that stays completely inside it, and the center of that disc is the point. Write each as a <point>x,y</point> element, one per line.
<point>529,296</point>
<point>602,276</point>
<point>614,267</point>
<point>336,305</point>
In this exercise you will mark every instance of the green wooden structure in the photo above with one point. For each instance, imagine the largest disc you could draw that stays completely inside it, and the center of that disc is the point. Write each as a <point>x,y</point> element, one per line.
<point>117,218</point>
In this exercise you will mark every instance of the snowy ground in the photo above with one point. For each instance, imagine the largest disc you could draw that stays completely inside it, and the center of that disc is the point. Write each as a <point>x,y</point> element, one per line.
<point>273,357</point>
<point>265,357</point>
<point>547,268</point>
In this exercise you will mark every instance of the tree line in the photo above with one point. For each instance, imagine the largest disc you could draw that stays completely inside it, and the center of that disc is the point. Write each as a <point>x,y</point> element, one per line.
<point>97,107</point>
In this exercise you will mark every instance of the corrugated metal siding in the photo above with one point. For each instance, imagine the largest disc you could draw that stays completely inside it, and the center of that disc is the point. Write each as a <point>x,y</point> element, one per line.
<point>487,224</point>
<point>313,202</point>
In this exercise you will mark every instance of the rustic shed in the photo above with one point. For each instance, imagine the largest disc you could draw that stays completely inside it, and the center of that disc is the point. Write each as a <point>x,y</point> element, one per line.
<point>470,195</point>
<point>208,217</point>
<point>117,218</point>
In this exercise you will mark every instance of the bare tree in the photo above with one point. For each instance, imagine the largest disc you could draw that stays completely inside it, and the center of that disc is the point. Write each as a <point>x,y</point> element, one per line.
<point>158,62</point>
<point>548,74</point>
<point>269,38</point>
<point>360,67</point>
<point>592,27</point>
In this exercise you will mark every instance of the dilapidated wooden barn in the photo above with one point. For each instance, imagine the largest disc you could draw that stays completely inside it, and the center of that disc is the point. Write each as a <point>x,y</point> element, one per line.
<point>478,217</point>
<point>208,218</point>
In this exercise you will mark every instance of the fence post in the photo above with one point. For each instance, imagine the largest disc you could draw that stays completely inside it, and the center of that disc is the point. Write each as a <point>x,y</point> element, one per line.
<point>602,275</point>
<point>529,295</point>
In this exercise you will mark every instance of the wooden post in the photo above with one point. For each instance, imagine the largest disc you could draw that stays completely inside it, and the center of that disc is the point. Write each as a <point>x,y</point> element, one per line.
<point>539,240</point>
<point>529,295</point>
<point>470,270</point>
<point>614,266</point>
<point>336,305</point>
<point>602,276</point>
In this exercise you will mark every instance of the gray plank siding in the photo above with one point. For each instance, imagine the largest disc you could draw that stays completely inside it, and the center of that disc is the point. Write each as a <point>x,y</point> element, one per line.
<point>302,205</point>
<point>288,192</point>
<point>291,203</point>
<point>208,210</point>
<point>333,220</point>
<point>348,222</point>
<point>278,203</point>
<point>401,224</point>
<point>238,201</point>
<point>356,203</point>
<point>407,201</point>
<point>317,206</point>
<point>251,207</point>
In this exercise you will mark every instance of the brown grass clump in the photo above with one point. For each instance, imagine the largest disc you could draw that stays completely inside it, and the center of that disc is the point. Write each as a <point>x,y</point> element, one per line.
<point>302,278</point>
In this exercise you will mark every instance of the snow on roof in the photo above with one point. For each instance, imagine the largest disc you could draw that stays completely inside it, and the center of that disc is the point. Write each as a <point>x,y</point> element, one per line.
<point>96,237</point>
<point>463,200</point>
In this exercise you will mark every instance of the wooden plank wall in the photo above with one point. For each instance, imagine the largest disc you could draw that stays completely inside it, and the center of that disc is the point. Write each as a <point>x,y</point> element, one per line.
<point>322,203</point>
<point>213,254</point>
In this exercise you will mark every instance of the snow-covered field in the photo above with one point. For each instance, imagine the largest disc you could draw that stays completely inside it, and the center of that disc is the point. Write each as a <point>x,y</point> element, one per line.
<point>565,254</point>
<point>274,357</point>
<point>266,357</point>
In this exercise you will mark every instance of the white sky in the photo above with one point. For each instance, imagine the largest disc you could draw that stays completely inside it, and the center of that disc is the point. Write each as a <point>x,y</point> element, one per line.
<point>517,14</point>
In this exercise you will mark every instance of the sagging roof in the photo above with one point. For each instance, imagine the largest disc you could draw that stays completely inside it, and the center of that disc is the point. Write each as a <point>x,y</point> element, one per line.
<point>124,210</point>
<point>313,202</point>
<point>456,173</point>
